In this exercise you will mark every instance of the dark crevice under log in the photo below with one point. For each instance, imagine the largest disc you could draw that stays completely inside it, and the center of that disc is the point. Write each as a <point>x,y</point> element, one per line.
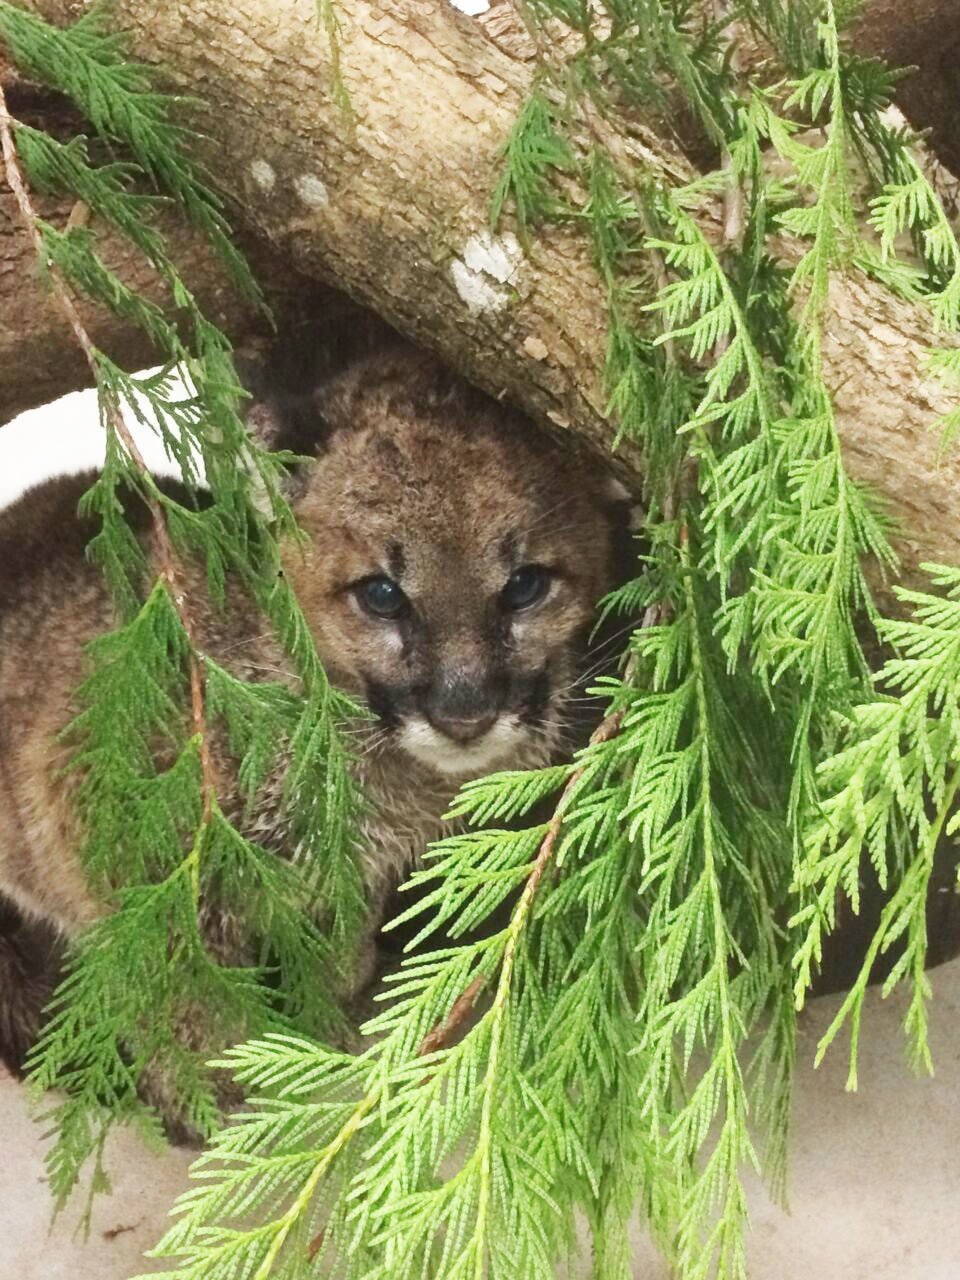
<point>924,34</point>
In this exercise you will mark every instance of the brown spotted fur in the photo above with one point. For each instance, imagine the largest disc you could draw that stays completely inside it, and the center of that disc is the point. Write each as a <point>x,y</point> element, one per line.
<point>417,474</point>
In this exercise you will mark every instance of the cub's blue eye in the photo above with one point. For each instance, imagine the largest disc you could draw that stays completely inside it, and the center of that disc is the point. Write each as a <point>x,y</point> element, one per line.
<point>381,596</point>
<point>525,587</point>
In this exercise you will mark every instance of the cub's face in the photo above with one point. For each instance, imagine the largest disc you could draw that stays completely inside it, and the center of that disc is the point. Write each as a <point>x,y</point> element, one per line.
<point>454,561</point>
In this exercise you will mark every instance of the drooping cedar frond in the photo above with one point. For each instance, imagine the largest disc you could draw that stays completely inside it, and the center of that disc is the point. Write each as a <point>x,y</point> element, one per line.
<point>631,1032</point>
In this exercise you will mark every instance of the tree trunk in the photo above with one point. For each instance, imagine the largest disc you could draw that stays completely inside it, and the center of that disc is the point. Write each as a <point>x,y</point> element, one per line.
<point>390,202</point>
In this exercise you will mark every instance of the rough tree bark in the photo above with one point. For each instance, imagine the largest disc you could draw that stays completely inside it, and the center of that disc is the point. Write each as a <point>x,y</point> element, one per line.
<point>391,205</point>
<point>37,363</point>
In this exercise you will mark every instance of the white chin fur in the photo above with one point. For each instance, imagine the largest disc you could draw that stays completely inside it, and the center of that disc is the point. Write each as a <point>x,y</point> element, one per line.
<point>434,749</point>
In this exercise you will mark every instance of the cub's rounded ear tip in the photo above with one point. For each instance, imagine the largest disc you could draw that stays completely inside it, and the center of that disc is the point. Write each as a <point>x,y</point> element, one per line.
<point>618,494</point>
<point>638,517</point>
<point>288,422</point>
<point>616,491</point>
<point>265,423</point>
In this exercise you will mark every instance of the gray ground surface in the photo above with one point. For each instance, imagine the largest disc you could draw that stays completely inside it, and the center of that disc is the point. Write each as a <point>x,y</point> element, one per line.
<point>875,1179</point>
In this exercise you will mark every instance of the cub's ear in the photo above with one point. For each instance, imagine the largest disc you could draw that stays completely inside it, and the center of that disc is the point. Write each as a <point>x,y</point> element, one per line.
<point>282,413</point>
<point>626,514</point>
<point>292,423</point>
<point>623,505</point>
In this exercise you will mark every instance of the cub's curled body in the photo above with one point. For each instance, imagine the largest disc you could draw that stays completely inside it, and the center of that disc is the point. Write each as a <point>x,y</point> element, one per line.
<point>453,560</point>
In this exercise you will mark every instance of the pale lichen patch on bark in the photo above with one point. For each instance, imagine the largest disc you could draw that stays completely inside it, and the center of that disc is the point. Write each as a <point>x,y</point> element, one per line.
<point>486,266</point>
<point>497,256</point>
<point>263,175</point>
<point>311,190</point>
<point>476,290</point>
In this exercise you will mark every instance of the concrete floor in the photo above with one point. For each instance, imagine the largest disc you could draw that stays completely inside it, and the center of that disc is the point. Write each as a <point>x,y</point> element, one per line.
<point>875,1180</point>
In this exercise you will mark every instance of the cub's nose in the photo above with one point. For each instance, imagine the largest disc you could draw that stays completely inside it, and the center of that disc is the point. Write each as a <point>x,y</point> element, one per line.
<point>463,729</point>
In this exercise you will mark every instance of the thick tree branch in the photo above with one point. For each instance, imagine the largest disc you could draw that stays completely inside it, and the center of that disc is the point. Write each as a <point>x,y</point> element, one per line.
<point>35,366</point>
<point>391,204</point>
<point>35,363</point>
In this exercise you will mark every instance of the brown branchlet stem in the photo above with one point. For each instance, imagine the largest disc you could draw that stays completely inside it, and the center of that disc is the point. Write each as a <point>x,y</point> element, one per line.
<point>443,1032</point>
<point>164,554</point>
<point>732,231</point>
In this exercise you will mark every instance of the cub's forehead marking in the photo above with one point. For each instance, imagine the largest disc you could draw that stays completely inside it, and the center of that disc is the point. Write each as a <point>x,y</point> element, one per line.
<point>396,562</point>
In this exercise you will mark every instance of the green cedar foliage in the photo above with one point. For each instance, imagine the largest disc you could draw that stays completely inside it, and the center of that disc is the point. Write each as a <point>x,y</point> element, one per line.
<point>157,848</point>
<point>635,1039</point>
<point>638,1039</point>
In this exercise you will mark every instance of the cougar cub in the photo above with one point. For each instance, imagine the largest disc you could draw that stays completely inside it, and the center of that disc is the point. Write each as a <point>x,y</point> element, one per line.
<point>453,562</point>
